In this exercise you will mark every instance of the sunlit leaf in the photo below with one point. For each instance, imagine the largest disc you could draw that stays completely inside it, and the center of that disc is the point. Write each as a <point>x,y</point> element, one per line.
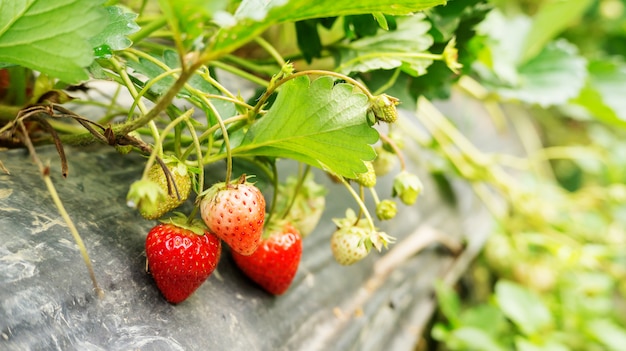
<point>319,123</point>
<point>610,334</point>
<point>523,344</point>
<point>553,77</point>
<point>254,16</point>
<point>523,307</point>
<point>120,23</point>
<point>51,36</point>
<point>603,96</point>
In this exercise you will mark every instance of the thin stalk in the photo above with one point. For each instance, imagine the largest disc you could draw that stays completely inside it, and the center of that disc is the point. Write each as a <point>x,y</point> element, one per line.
<point>275,195</point>
<point>159,141</point>
<point>45,173</point>
<point>241,73</point>
<point>270,50</point>
<point>148,28</point>
<point>360,202</point>
<point>390,83</point>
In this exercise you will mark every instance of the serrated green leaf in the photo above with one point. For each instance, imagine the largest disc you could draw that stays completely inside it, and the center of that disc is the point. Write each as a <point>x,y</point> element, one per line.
<point>603,96</point>
<point>254,16</point>
<point>551,78</point>
<point>506,37</point>
<point>403,47</point>
<point>320,123</point>
<point>523,307</point>
<point>120,23</point>
<point>50,36</point>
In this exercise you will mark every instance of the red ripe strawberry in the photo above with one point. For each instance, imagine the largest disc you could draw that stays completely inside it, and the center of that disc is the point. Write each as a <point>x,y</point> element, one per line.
<point>235,213</point>
<point>274,264</point>
<point>181,259</point>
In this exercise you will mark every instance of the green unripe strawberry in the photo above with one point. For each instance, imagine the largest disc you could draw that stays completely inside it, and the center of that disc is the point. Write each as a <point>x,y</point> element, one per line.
<point>384,108</point>
<point>407,186</point>
<point>153,197</point>
<point>386,210</point>
<point>384,162</point>
<point>368,178</point>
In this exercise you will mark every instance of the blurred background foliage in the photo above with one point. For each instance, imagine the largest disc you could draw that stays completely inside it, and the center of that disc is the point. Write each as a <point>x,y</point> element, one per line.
<point>552,275</point>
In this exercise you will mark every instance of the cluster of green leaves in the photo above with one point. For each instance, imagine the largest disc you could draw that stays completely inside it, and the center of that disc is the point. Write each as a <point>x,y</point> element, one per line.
<point>321,123</point>
<point>523,61</point>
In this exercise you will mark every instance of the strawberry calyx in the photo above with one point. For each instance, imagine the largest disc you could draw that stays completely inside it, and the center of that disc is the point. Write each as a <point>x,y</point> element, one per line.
<point>217,187</point>
<point>145,193</point>
<point>180,220</point>
<point>277,226</point>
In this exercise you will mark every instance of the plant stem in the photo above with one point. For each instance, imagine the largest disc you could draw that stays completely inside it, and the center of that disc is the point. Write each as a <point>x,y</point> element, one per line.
<point>147,29</point>
<point>45,173</point>
<point>360,202</point>
<point>270,50</point>
<point>390,83</point>
<point>241,73</point>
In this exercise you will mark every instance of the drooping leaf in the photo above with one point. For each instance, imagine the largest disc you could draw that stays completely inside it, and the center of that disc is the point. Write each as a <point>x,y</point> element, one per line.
<point>51,36</point>
<point>388,50</point>
<point>319,123</point>
<point>553,77</point>
<point>603,96</point>
<point>522,307</point>
<point>254,16</point>
<point>120,23</point>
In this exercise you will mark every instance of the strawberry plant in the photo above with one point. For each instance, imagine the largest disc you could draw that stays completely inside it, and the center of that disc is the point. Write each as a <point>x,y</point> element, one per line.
<point>173,61</point>
<point>346,89</point>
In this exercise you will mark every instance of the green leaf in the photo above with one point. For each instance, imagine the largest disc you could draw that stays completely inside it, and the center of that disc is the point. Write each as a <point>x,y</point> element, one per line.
<point>190,18</point>
<point>320,123</point>
<point>522,344</point>
<point>254,16</point>
<point>603,96</point>
<point>50,36</point>
<point>506,38</point>
<point>552,78</point>
<point>522,307</point>
<point>448,302</point>
<point>607,332</point>
<point>120,23</point>
<point>469,338</point>
<point>550,20</point>
<point>405,47</point>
